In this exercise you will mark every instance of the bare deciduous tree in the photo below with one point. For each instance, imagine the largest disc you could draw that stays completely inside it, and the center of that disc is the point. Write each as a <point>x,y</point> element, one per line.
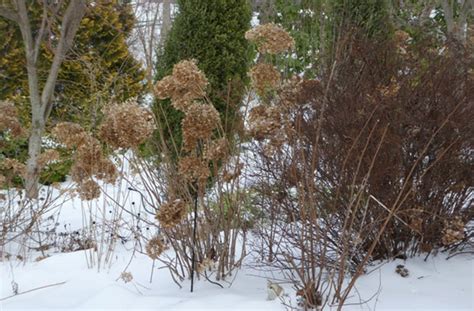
<point>33,36</point>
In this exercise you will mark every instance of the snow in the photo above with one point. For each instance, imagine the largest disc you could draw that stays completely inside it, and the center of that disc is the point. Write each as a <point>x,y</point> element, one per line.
<point>437,284</point>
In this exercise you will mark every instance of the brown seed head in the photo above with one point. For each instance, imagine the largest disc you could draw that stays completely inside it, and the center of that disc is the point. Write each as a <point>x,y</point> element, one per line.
<point>88,190</point>
<point>172,213</point>
<point>70,134</point>
<point>9,119</point>
<point>199,122</point>
<point>127,125</point>
<point>270,39</point>
<point>155,247</point>
<point>265,77</point>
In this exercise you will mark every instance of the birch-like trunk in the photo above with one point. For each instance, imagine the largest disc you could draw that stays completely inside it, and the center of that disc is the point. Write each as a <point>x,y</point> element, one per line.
<point>41,101</point>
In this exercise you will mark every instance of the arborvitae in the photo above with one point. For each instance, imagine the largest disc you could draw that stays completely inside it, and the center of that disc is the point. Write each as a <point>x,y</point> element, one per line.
<point>211,32</point>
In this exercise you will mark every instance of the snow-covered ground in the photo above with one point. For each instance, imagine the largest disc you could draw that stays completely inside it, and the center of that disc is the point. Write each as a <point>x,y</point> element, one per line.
<point>437,284</point>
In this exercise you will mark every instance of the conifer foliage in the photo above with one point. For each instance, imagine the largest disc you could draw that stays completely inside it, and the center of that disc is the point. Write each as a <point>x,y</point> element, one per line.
<point>212,33</point>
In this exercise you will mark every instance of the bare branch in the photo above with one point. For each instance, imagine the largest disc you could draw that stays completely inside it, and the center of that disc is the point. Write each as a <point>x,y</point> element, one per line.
<point>8,14</point>
<point>41,32</point>
<point>70,24</point>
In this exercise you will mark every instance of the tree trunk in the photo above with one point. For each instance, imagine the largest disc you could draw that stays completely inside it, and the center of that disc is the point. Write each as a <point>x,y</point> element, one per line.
<point>41,102</point>
<point>166,21</point>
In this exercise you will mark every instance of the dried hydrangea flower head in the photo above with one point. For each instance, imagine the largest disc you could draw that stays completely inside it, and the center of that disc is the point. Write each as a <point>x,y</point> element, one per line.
<point>270,39</point>
<point>265,122</point>
<point>194,169</point>
<point>15,166</point>
<point>126,125</point>
<point>216,150</point>
<point>186,84</point>
<point>289,91</point>
<point>88,190</point>
<point>155,247</point>
<point>453,231</point>
<point>264,77</point>
<point>89,162</point>
<point>126,277</point>
<point>199,122</point>
<point>171,213</point>
<point>47,157</point>
<point>70,134</point>
<point>9,119</point>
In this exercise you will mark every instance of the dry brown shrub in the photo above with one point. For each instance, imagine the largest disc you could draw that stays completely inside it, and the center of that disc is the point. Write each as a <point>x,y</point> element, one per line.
<point>155,247</point>
<point>198,124</point>
<point>172,213</point>
<point>270,39</point>
<point>265,77</point>
<point>186,84</point>
<point>230,174</point>
<point>126,125</point>
<point>88,190</point>
<point>70,134</point>
<point>9,119</point>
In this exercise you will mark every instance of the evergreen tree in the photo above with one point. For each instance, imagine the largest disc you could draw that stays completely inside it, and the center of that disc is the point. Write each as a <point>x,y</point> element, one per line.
<point>212,32</point>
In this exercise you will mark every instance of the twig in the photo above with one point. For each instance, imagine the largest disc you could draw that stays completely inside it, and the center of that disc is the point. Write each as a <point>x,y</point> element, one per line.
<point>32,290</point>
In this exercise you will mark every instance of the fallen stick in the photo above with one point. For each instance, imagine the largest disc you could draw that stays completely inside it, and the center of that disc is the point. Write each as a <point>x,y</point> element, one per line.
<point>32,290</point>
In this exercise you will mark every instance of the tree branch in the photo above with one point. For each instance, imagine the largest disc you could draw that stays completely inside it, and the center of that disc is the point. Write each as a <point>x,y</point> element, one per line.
<point>9,14</point>
<point>69,26</point>
<point>41,32</point>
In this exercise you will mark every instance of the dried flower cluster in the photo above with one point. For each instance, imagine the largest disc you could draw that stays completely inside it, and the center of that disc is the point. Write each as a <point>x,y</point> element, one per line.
<point>206,264</point>
<point>198,124</point>
<point>265,122</point>
<point>288,93</point>
<point>126,277</point>
<point>172,213</point>
<point>155,247</point>
<point>89,160</point>
<point>14,165</point>
<point>126,125</point>
<point>264,77</point>
<point>186,84</point>
<point>88,190</point>
<point>9,119</point>
<point>453,231</point>
<point>270,39</point>
<point>70,134</point>
<point>216,150</point>
<point>194,169</point>
<point>47,157</point>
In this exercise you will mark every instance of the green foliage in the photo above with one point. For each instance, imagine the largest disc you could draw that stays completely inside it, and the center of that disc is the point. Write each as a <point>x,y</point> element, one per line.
<point>302,20</point>
<point>18,149</point>
<point>212,32</point>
